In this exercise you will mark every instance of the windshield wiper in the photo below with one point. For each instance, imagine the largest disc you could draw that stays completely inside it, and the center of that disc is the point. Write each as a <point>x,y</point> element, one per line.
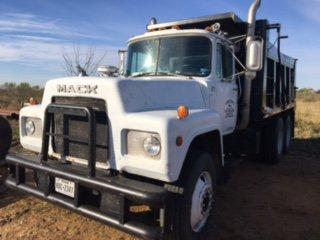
<point>141,74</point>
<point>172,74</point>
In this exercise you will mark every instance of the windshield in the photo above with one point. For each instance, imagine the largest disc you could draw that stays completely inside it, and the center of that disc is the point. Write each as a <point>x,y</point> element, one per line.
<point>187,55</point>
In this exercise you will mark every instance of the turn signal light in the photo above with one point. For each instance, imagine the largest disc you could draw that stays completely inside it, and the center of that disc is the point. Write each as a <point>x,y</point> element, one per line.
<point>183,112</point>
<point>179,141</point>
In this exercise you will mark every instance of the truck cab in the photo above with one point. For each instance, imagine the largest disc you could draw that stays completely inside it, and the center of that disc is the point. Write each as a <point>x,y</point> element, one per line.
<point>199,56</point>
<point>156,134</point>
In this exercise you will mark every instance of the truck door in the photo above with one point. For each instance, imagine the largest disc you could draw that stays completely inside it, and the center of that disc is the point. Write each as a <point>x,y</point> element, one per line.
<point>225,90</point>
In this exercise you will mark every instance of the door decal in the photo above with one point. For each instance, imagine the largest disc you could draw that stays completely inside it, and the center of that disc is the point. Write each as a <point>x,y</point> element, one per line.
<point>229,109</point>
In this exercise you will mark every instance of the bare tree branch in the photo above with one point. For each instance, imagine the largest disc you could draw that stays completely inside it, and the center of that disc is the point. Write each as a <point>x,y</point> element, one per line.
<point>68,64</point>
<point>98,63</point>
<point>76,64</point>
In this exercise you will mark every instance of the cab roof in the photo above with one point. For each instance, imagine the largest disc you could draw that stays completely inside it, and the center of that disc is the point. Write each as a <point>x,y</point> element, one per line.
<point>172,32</point>
<point>229,18</point>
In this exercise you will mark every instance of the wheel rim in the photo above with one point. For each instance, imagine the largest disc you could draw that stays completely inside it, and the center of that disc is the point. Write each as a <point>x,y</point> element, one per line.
<point>202,201</point>
<point>280,139</point>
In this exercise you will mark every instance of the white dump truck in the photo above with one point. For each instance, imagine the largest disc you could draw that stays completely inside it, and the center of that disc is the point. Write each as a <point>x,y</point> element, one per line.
<point>144,150</point>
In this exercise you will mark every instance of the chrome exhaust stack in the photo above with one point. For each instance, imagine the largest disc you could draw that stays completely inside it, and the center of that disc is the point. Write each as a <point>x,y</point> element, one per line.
<point>250,75</point>
<point>252,19</point>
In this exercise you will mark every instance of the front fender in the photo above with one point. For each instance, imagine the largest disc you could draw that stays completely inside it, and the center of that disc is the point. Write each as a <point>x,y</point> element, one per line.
<point>197,123</point>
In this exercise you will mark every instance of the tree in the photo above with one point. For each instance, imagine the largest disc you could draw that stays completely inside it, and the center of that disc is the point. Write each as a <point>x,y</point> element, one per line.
<point>76,64</point>
<point>23,91</point>
<point>13,95</point>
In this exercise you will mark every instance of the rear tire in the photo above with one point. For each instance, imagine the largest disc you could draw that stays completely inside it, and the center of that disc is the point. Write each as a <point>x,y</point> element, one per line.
<point>5,138</point>
<point>194,209</point>
<point>273,141</point>
<point>288,134</point>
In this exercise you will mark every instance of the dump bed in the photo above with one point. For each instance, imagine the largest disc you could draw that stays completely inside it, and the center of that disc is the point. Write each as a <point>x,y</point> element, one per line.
<point>273,90</point>
<point>230,23</point>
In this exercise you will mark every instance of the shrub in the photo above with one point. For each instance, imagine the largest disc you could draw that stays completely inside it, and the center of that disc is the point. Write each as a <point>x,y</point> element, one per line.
<point>12,96</point>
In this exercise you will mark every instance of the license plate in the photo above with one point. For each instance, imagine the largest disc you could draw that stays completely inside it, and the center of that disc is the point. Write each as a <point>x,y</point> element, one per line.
<point>64,186</point>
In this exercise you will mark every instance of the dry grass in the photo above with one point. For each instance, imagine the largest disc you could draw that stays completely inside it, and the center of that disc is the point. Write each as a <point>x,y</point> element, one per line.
<point>308,119</point>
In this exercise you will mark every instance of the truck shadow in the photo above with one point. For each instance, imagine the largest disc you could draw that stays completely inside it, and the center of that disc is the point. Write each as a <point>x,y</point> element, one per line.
<point>272,201</point>
<point>309,146</point>
<point>9,196</point>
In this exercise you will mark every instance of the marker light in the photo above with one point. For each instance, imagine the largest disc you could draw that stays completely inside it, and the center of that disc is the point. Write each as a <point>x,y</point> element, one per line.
<point>179,141</point>
<point>183,112</point>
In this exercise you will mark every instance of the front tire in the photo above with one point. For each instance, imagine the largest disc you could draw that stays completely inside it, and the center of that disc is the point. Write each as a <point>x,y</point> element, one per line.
<point>195,213</point>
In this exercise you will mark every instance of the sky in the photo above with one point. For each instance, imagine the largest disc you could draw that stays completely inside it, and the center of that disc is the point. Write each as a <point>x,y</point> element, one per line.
<point>34,33</point>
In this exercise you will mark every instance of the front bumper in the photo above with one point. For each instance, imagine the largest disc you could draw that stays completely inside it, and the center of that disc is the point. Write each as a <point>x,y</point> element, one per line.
<point>112,199</point>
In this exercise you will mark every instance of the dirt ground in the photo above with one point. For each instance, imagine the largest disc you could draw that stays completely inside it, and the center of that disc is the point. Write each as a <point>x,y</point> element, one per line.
<point>260,202</point>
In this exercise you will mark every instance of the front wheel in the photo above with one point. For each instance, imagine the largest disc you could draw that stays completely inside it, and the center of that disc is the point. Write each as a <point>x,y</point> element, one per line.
<point>196,209</point>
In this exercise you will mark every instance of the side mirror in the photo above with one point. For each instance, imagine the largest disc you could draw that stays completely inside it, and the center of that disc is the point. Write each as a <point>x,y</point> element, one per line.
<point>254,55</point>
<point>122,61</point>
<point>108,71</point>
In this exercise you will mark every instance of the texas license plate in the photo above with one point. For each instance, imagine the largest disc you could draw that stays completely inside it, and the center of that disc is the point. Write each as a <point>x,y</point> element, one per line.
<point>64,186</point>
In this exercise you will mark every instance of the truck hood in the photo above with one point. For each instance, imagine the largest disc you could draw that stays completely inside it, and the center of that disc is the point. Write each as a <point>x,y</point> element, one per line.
<point>131,95</point>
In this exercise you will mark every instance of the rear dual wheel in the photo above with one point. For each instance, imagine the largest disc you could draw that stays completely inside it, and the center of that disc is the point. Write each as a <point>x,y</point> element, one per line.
<point>277,138</point>
<point>288,133</point>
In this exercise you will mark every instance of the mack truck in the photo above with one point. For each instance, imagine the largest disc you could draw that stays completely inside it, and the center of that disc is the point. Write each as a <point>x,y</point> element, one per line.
<point>145,149</point>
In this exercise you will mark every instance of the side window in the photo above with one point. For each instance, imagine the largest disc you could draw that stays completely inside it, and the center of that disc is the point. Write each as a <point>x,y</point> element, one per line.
<point>224,64</point>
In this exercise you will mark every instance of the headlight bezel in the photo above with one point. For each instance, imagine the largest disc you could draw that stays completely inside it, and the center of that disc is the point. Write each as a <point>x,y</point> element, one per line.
<point>134,141</point>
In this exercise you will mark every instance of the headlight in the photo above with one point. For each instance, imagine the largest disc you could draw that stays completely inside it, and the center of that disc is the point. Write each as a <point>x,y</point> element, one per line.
<point>143,144</point>
<point>152,146</point>
<point>30,127</point>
